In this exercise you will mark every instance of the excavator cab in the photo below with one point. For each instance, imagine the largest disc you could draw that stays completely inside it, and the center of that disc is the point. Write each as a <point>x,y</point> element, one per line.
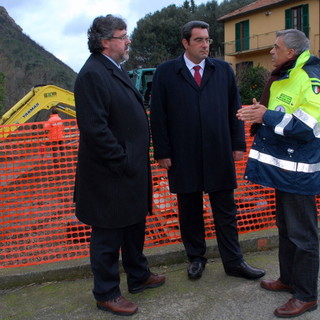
<point>142,80</point>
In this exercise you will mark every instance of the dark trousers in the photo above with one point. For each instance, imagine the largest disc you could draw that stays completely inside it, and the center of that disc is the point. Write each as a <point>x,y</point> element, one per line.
<point>193,231</point>
<point>104,256</point>
<point>297,221</point>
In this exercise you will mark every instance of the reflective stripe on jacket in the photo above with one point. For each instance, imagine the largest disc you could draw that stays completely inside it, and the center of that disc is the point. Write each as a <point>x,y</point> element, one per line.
<point>286,151</point>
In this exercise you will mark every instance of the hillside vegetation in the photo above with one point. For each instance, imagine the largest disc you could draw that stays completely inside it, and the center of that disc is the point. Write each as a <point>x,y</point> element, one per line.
<point>25,64</point>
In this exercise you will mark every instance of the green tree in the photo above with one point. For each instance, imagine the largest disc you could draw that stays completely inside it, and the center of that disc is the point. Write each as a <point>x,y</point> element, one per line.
<point>193,6</point>
<point>157,37</point>
<point>251,81</point>
<point>2,92</point>
<point>189,5</point>
<point>186,5</point>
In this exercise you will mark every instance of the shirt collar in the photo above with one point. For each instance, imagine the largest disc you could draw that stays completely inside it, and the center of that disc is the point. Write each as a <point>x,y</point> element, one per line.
<point>116,64</point>
<point>191,64</point>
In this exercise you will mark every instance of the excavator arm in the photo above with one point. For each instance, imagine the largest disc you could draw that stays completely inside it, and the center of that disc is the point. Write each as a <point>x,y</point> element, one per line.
<point>39,98</point>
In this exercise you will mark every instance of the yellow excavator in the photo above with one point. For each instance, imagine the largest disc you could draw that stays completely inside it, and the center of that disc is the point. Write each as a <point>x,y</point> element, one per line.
<point>45,97</point>
<point>39,98</point>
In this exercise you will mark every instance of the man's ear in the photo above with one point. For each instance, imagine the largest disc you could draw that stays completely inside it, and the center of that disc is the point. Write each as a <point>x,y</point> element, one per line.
<point>184,43</point>
<point>291,53</point>
<point>105,43</point>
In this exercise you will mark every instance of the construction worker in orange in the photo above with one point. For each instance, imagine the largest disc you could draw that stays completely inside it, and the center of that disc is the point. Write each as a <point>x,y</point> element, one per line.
<point>55,131</point>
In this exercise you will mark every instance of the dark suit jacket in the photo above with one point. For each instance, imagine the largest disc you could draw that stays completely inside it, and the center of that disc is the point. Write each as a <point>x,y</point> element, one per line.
<point>197,127</point>
<point>113,174</point>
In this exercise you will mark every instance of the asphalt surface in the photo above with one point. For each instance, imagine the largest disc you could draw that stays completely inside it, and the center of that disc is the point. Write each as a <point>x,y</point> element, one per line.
<point>63,291</point>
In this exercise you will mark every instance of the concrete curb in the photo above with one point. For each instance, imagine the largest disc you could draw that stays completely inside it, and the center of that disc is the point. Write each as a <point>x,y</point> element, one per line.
<point>164,255</point>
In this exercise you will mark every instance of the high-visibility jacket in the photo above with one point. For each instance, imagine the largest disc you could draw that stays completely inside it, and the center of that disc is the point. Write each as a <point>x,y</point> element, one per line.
<point>54,126</point>
<point>286,151</point>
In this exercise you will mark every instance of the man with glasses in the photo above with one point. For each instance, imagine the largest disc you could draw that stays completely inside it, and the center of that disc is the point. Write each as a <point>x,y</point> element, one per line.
<point>197,138</point>
<point>113,188</point>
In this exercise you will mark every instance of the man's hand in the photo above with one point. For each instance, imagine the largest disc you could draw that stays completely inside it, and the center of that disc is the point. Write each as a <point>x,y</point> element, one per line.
<point>253,113</point>
<point>165,163</point>
<point>238,155</point>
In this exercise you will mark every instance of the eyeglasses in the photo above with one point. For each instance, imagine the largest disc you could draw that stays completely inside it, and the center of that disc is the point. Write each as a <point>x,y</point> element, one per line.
<point>125,37</point>
<point>200,40</point>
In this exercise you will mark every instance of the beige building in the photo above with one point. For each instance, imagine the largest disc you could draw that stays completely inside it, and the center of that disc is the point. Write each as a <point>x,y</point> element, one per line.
<point>250,31</point>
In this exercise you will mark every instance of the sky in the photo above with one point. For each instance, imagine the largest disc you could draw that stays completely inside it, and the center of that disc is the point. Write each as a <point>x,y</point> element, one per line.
<point>60,26</point>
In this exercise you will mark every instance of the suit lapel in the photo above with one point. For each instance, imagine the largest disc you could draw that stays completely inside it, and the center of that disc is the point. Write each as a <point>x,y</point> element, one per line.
<point>207,73</point>
<point>121,74</point>
<point>188,76</point>
<point>185,72</point>
<point>124,77</point>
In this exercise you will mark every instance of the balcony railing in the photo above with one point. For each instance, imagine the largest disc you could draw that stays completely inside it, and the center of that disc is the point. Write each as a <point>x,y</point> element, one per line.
<point>256,42</point>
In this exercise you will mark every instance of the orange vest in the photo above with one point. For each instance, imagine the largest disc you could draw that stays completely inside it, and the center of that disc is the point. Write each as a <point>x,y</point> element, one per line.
<point>55,127</point>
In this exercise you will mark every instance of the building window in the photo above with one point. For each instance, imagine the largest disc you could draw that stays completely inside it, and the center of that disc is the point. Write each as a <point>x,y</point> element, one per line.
<point>242,35</point>
<point>298,18</point>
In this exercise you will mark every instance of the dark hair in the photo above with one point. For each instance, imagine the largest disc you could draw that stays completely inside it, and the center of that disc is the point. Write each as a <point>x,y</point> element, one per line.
<point>103,27</point>
<point>187,28</point>
<point>294,39</point>
<point>54,111</point>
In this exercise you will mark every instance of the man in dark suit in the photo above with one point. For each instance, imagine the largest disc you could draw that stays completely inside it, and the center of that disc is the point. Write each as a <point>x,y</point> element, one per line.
<point>197,137</point>
<point>113,188</point>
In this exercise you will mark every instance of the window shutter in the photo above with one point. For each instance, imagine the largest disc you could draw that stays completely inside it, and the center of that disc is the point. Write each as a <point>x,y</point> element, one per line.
<point>238,41</point>
<point>246,35</point>
<point>288,19</point>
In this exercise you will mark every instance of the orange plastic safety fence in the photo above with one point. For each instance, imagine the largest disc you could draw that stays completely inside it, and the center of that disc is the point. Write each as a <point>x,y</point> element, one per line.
<point>255,204</point>
<point>37,221</point>
<point>36,196</point>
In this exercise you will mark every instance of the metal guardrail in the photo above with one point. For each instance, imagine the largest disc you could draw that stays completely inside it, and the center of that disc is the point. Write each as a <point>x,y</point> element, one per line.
<point>256,42</point>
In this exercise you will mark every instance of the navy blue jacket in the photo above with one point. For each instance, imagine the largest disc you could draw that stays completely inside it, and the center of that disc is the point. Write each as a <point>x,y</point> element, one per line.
<point>197,127</point>
<point>285,154</point>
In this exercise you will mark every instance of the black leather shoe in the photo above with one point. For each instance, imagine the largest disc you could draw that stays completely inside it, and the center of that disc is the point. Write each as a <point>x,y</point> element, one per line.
<point>245,271</point>
<point>195,269</point>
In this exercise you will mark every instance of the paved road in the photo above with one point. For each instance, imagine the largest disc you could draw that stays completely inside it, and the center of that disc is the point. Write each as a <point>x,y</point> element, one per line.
<point>215,296</point>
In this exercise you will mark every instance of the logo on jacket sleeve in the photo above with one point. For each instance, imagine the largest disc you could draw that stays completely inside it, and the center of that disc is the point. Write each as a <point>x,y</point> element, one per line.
<point>316,89</point>
<point>280,108</point>
<point>285,98</point>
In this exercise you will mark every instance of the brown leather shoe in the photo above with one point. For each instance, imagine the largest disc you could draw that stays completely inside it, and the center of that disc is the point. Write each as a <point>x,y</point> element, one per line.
<point>275,285</point>
<point>294,308</point>
<point>154,280</point>
<point>120,306</point>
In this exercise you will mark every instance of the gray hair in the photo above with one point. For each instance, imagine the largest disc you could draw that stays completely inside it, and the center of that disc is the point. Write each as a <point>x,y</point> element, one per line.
<point>294,39</point>
<point>103,27</point>
<point>187,28</point>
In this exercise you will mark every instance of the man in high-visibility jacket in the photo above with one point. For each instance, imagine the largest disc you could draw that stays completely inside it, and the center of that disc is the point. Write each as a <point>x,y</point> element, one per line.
<point>55,130</point>
<point>54,126</point>
<point>285,155</point>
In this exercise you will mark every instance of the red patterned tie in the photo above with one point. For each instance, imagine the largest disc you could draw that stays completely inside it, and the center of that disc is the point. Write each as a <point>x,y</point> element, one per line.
<point>197,75</point>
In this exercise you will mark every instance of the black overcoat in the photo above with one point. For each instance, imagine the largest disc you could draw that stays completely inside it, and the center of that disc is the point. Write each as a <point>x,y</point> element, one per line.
<point>113,174</point>
<point>197,127</point>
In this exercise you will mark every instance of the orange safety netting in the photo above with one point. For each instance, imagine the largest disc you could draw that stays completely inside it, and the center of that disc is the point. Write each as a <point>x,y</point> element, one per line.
<point>37,221</point>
